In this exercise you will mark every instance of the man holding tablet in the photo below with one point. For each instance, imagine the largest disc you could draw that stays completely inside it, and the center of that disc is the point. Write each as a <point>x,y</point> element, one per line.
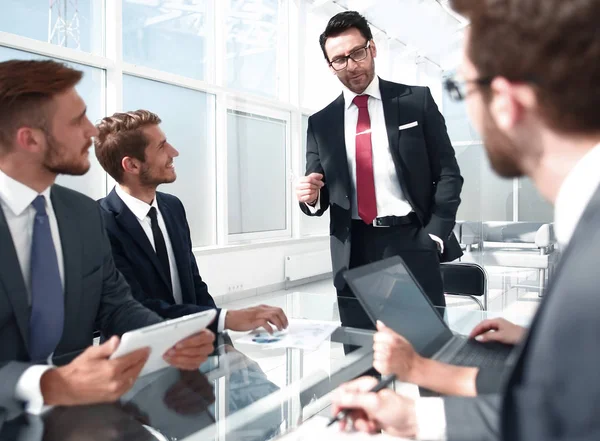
<point>148,229</point>
<point>58,281</point>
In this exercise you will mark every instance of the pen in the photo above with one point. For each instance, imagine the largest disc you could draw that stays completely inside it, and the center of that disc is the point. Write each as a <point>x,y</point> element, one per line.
<point>383,383</point>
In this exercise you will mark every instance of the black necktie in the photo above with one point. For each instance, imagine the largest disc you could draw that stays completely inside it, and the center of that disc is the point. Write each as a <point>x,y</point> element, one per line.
<point>159,244</point>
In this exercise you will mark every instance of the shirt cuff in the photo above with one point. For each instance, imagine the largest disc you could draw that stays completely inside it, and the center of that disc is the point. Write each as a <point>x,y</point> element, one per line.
<point>221,324</point>
<point>431,419</point>
<point>439,241</point>
<point>28,389</point>
<point>317,206</point>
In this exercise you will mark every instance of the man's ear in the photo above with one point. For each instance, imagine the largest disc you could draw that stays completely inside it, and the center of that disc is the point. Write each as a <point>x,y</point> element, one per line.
<point>30,139</point>
<point>505,108</point>
<point>131,165</point>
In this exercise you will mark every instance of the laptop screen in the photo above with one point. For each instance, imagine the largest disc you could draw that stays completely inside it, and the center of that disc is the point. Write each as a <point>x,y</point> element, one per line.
<point>388,292</point>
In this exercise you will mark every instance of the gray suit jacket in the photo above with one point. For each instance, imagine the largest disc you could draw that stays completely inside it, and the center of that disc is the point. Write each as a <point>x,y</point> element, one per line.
<point>553,392</point>
<point>96,294</point>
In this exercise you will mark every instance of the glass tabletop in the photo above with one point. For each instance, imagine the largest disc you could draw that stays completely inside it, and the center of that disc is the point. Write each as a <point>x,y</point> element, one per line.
<point>243,392</point>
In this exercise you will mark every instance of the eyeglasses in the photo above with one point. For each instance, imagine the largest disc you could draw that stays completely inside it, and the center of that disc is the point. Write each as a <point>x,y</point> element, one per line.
<point>341,63</point>
<point>457,89</point>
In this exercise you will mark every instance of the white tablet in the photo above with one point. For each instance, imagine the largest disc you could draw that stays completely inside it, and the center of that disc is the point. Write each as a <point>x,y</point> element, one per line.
<point>161,337</point>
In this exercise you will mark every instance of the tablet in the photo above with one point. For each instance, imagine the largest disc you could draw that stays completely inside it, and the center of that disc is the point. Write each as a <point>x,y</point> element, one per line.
<point>161,337</point>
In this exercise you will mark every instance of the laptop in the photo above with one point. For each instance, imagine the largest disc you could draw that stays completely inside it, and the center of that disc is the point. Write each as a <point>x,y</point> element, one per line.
<point>388,291</point>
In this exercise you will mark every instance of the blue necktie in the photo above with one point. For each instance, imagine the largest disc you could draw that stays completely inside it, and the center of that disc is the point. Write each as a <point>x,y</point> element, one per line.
<point>47,297</point>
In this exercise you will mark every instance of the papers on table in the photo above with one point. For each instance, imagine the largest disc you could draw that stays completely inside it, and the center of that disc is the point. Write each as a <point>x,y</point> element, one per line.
<point>315,429</point>
<point>301,334</point>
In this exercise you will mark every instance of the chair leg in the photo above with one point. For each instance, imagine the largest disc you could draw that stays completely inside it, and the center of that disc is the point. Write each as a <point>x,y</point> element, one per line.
<point>541,282</point>
<point>476,300</point>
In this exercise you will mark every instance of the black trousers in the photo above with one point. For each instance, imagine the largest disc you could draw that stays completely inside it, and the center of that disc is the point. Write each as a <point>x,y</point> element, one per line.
<point>371,244</point>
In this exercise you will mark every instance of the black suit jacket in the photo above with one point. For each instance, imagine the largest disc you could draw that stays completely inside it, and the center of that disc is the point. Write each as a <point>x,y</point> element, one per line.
<point>553,392</point>
<point>423,157</point>
<point>137,260</point>
<point>96,294</point>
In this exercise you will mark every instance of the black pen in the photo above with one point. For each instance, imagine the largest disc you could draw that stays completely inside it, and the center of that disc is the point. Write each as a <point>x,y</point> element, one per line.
<point>383,383</point>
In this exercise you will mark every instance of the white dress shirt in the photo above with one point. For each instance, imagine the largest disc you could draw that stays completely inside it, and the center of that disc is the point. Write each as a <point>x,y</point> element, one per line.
<point>390,198</point>
<point>15,201</point>
<point>140,210</point>
<point>575,193</point>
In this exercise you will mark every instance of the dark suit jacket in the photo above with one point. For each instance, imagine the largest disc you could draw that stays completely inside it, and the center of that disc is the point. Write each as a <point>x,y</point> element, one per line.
<point>553,392</point>
<point>96,294</point>
<point>137,260</point>
<point>423,157</point>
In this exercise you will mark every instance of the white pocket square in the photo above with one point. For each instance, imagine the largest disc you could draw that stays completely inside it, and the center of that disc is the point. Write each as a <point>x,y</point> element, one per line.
<point>409,125</point>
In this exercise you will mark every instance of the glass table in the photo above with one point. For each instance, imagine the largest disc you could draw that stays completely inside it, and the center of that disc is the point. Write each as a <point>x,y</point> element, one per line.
<point>242,392</point>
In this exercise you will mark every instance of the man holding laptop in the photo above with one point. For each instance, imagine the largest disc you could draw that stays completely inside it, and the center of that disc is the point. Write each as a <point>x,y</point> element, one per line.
<point>58,281</point>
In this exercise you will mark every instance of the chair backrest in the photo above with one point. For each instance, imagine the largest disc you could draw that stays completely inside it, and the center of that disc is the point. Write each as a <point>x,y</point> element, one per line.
<point>466,279</point>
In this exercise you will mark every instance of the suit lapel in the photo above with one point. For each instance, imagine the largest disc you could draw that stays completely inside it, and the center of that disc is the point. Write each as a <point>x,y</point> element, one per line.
<point>391,112</point>
<point>390,96</point>
<point>12,280</point>
<point>337,140</point>
<point>179,246</point>
<point>71,240</point>
<point>130,225</point>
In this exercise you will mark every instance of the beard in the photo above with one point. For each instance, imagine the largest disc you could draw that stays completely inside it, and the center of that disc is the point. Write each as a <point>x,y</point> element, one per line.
<point>504,155</point>
<point>56,159</point>
<point>149,178</point>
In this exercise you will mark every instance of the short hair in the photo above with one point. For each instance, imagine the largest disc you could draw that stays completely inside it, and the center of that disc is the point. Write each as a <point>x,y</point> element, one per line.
<point>342,22</point>
<point>26,89</point>
<point>552,44</point>
<point>121,135</point>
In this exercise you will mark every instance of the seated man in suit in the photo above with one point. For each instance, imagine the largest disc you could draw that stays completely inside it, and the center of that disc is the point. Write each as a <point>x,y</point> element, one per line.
<point>148,230</point>
<point>534,96</point>
<point>58,281</point>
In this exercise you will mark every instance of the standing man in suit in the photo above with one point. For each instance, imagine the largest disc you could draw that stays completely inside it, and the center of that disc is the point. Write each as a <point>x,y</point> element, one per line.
<point>380,159</point>
<point>148,229</point>
<point>514,79</point>
<point>58,281</point>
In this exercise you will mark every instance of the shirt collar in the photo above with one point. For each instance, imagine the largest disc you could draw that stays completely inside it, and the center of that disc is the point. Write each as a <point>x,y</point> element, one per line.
<point>371,90</point>
<point>575,194</point>
<point>18,196</point>
<point>139,208</point>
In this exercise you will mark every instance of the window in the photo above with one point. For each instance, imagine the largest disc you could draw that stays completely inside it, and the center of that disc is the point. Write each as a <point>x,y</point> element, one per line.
<point>188,122</point>
<point>171,36</point>
<point>532,207</point>
<point>485,196</point>
<point>91,89</point>
<point>256,164</point>
<point>311,225</point>
<point>257,50</point>
<point>76,24</point>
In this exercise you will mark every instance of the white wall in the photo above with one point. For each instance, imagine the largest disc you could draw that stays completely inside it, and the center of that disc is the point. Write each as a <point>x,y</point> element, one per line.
<point>251,269</point>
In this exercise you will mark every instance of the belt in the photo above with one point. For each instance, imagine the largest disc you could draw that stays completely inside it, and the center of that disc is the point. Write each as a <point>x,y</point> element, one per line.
<point>394,221</point>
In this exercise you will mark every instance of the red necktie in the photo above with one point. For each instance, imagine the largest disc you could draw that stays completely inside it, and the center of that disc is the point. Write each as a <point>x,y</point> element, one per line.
<point>365,181</point>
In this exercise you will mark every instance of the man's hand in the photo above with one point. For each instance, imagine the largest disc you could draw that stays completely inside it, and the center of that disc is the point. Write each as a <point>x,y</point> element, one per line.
<point>393,354</point>
<point>499,330</point>
<point>372,412</point>
<point>252,318</point>
<point>191,352</point>
<point>308,187</point>
<point>92,378</point>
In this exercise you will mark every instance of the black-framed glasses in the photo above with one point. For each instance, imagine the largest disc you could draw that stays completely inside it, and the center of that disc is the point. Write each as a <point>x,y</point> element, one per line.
<point>457,88</point>
<point>341,63</point>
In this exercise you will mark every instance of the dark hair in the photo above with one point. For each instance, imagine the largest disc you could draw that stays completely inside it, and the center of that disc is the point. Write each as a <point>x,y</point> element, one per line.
<point>342,22</point>
<point>554,44</point>
<point>26,89</point>
<point>119,136</point>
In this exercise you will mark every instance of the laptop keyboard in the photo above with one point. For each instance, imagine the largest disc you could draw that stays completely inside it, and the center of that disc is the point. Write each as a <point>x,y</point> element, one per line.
<point>483,355</point>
